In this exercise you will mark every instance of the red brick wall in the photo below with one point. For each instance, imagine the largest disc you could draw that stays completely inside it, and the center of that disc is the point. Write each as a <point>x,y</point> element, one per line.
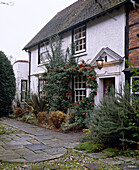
<point>133,38</point>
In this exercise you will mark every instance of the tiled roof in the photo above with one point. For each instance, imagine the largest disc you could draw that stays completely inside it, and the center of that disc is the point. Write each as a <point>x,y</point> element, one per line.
<point>78,12</point>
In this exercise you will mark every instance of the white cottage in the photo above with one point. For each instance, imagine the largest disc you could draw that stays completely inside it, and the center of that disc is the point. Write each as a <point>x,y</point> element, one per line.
<point>97,28</point>
<point>21,70</point>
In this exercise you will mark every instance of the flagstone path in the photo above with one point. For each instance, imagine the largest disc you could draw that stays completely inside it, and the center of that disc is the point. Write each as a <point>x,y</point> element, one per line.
<point>34,144</point>
<point>31,143</point>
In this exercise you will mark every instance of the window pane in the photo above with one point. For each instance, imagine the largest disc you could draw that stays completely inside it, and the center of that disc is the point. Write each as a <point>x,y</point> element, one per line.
<point>84,34</point>
<point>83,28</point>
<point>80,34</point>
<point>84,78</point>
<point>23,85</point>
<point>135,84</point>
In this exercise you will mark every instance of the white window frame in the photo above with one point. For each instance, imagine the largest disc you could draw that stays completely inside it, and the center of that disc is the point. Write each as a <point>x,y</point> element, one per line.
<point>131,80</point>
<point>79,39</point>
<point>23,90</point>
<point>79,88</point>
<point>43,53</point>
<point>41,84</point>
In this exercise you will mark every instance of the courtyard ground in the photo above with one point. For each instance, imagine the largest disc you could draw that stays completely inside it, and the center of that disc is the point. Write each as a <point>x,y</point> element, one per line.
<point>26,146</point>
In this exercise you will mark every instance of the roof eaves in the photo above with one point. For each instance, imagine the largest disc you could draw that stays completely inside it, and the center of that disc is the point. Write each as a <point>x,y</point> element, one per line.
<point>84,21</point>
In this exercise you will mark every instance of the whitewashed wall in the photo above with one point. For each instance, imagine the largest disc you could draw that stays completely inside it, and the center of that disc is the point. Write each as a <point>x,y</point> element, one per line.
<point>105,31</point>
<point>21,71</point>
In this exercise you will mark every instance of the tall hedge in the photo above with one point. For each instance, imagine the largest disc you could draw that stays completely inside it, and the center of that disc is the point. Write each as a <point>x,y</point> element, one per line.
<point>7,85</point>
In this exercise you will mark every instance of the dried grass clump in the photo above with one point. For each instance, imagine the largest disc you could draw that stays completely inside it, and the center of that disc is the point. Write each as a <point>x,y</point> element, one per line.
<point>57,117</point>
<point>18,112</point>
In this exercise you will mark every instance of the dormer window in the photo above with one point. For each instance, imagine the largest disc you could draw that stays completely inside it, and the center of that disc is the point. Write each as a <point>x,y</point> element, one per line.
<point>79,38</point>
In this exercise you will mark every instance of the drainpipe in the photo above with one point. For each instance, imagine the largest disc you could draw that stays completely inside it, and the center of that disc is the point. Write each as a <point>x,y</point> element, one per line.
<point>127,79</point>
<point>29,53</point>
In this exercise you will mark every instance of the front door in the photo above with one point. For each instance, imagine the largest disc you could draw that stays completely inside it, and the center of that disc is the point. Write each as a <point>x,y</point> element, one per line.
<point>108,83</point>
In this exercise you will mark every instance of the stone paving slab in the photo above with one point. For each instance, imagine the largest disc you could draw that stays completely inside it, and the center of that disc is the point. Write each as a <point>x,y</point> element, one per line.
<point>96,155</point>
<point>34,144</point>
<point>36,147</point>
<point>38,157</point>
<point>129,167</point>
<point>54,151</point>
<point>112,161</point>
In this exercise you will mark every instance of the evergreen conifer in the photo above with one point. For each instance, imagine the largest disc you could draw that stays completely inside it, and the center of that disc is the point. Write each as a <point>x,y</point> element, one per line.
<point>7,85</point>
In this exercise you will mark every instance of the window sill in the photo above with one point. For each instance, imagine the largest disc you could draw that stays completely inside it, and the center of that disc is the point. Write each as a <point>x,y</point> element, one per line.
<point>40,65</point>
<point>80,54</point>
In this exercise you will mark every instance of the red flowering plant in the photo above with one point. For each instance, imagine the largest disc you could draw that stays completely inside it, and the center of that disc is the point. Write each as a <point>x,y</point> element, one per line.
<point>61,69</point>
<point>59,92</point>
<point>80,109</point>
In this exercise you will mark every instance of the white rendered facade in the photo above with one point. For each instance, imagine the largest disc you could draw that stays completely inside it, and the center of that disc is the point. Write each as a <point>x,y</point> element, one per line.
<point>105,31</point>
<point>21,71</point>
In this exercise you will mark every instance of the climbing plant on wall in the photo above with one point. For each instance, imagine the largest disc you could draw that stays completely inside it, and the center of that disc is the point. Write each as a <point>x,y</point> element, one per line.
<point>59,75</point>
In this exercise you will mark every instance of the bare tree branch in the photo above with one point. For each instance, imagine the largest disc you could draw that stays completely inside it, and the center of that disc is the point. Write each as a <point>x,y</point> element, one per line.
<point>7,3</point>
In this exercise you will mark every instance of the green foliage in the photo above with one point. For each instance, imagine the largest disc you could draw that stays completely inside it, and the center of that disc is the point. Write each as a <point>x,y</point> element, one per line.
<point>38,104</point>
<point>7,85</point>
<point>111,152</point>
<point>29,118</point>
<point>72,126</point>
<point>55,55</point>
<point>89,147</point>
<point>130,153</point>
<point>57,79</point>
<point>115,120</point>
<point>61,70</point>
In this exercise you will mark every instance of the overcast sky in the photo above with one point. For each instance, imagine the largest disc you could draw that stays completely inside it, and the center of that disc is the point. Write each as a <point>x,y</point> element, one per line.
<point>22,21</point>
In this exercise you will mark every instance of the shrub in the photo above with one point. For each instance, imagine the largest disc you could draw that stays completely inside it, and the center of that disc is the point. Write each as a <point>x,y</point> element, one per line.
<point>57,117</point>
<point>62,68</point>
<point>114,121</point>
<point>111,152</point>
<point>18,112</point>
<point>38,104</point>
<point>42,117</point>
<point>7,85</point>
<point>89,147</point>
<point>73,126</point>
<point>29,118</point>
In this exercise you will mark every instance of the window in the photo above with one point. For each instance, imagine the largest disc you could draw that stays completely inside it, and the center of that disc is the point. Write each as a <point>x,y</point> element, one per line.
<point>23,90</point>
<point>79,38</point>
<point>135,85</point>
<point>80,88</point>
<point>41,87</point>
<point>42,53</point>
